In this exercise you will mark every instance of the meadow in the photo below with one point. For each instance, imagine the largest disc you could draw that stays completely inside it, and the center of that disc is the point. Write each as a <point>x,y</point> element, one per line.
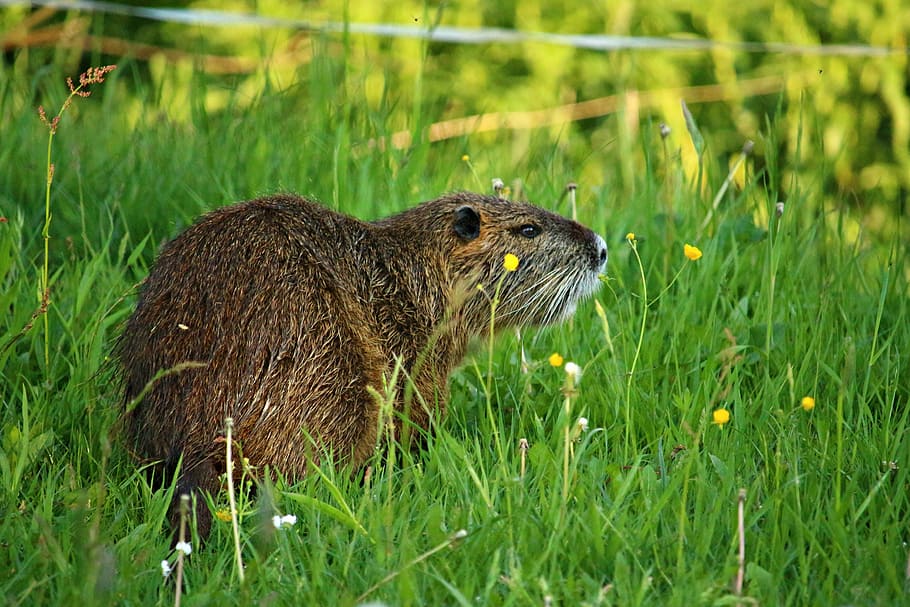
<point>744,377</point>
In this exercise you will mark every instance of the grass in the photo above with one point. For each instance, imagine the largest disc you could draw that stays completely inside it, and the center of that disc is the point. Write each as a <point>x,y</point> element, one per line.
<point>640,509</point>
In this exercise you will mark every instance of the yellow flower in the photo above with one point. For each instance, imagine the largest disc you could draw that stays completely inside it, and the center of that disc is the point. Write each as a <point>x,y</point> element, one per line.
<point>510,263</point>
<point>465,158</point>
<point>630,236</point>
<point>223,515</point>
<point>693,253</point>
<point>721,417</point>
<point>807,403</point>
<point>555,359</point>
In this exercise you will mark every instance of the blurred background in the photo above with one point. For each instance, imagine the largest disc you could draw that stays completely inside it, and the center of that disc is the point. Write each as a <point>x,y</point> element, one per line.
<point>825,84</point>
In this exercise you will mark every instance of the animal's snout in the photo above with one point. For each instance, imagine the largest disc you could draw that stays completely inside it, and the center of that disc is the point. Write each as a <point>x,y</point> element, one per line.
<point>599,253</point>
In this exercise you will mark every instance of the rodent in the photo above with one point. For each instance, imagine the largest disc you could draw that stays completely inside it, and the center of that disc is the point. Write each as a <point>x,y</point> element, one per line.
<point>294,310</point>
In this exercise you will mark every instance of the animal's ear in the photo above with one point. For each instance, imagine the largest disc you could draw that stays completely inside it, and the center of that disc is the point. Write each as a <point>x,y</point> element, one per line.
<point>466,223</point>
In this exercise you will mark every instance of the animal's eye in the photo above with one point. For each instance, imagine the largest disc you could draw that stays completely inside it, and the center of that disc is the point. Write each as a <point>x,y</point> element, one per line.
<point>529,230</point>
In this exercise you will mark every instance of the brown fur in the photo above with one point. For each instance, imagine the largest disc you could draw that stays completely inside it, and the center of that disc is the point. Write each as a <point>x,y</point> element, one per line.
<point>295,309</point>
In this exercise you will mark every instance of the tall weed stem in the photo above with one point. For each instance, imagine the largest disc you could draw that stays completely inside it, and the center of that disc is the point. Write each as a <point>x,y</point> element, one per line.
<point>568,393</point>
<point>235,526</point>
<point>94,75</point>
<point>641,339</point>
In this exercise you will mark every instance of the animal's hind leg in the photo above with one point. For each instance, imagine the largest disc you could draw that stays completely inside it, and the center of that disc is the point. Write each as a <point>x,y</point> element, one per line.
<point>195,478</point>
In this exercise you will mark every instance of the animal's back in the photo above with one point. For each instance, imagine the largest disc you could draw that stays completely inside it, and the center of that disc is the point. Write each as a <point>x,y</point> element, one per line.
<point>247,292</point>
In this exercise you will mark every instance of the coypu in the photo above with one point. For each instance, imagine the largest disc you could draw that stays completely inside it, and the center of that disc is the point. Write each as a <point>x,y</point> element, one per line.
<point>294,310</point>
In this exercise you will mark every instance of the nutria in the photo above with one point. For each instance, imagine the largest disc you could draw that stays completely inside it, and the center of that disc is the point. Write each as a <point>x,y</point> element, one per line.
<point>295,311</point>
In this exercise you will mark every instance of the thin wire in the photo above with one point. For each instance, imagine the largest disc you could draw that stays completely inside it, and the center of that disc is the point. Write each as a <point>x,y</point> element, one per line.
<point>456,35</point>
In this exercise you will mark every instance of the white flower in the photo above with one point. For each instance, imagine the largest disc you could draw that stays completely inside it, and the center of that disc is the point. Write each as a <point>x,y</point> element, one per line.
<point>573,371</point>
<point>165,568</point>
<point>184,547</point>
<point>288,520</point>
<point>583,424</point>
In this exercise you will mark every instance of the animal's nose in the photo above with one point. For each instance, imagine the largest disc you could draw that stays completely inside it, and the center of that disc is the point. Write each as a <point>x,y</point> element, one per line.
<point>600,253</point>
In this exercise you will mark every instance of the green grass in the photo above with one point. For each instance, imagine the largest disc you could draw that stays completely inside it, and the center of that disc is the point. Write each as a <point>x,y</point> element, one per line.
<point>776,309</point>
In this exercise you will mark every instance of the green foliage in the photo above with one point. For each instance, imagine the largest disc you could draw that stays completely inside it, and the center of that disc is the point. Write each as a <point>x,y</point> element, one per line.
<point>838,116</point>
<point>778,307</point>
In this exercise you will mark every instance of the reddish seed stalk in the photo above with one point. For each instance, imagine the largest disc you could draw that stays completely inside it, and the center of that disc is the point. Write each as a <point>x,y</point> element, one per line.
<point>184,513</point>
<point>94,75</point>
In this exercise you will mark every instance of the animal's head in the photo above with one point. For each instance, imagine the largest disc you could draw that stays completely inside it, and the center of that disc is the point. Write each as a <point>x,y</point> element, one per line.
<point>538,263</point>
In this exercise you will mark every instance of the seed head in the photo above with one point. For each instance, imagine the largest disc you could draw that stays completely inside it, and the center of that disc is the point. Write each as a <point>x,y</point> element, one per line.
<point>498,186</point>
<point>573,371</point>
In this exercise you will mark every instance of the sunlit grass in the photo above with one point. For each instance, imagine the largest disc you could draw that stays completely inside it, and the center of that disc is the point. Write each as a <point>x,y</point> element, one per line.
<point>773,359</point>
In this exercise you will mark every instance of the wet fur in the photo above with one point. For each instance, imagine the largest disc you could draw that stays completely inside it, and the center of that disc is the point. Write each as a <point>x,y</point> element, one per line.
<point>295,310</point>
